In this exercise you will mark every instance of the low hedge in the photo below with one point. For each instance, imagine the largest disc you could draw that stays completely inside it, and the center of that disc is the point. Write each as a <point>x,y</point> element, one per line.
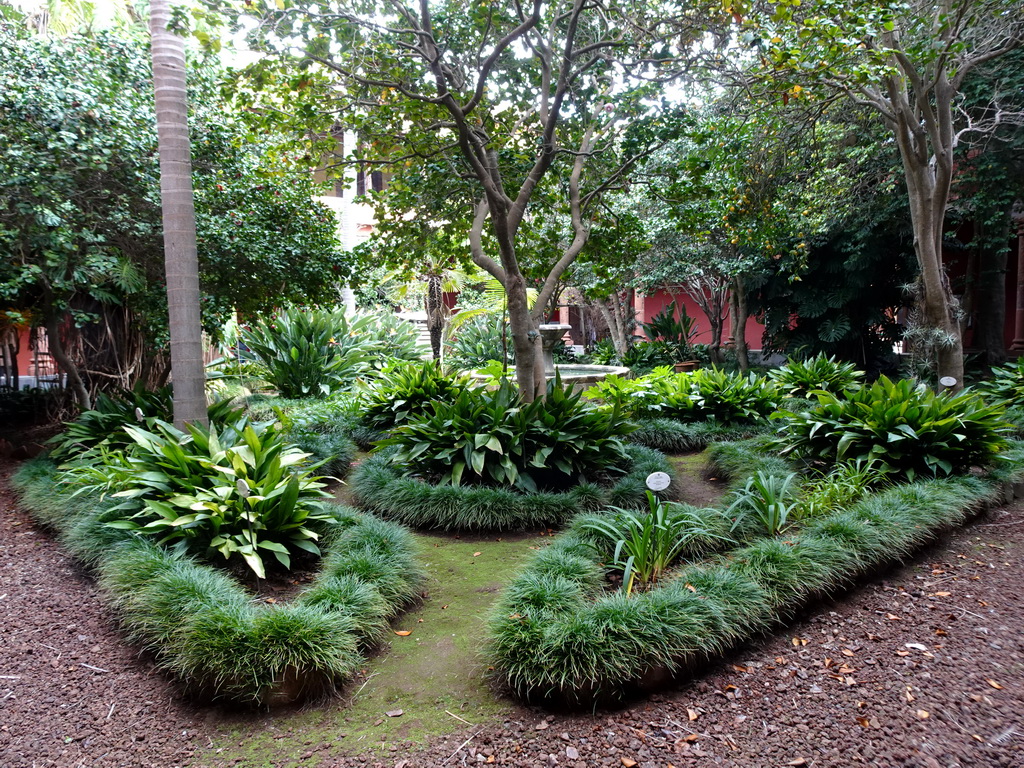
<point>378,486</point>
<point>557,633</point>
<point>674,436</point>
<point>205,629</point>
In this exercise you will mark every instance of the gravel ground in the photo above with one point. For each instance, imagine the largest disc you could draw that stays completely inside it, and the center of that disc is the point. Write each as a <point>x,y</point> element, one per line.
<point>921,667</point>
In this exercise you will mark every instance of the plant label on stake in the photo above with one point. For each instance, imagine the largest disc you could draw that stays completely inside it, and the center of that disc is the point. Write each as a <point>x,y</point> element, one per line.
<point>658,481</point>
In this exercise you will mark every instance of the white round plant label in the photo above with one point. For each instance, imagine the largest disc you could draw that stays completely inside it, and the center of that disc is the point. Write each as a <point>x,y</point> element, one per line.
<point>658,481</point>
<point>947,381</point>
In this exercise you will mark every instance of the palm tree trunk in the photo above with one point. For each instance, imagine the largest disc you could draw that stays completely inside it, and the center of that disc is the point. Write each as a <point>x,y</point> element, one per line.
<point>179,217</point>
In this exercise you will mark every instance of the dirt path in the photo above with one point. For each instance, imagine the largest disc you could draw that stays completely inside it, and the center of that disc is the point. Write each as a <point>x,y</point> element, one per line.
<point>924,666</point>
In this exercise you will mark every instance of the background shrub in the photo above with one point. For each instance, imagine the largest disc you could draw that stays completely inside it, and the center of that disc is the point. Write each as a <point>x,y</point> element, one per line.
<point>906,428</point>
<point>705,394</point>
<point>404,391</point>
<point>313,352</point>
<point>799,378</point>
<point>104,424</point>
<point>484,437</point>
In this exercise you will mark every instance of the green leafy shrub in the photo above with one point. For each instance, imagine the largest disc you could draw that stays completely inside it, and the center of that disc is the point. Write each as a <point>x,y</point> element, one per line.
<point>240,492</point>
<point>675,334</point>
<point>104,424</point>
<point>478,341</point>
<point>1006,385</point>
<point>708,393</point>
<point>494,438</point>
<point>800,378</point>
<point>302,352</point>
<point>646,544</point>
<point>408,390</point>
<point>201,624</point>
<point>312,352</point>
<point>907,428</point>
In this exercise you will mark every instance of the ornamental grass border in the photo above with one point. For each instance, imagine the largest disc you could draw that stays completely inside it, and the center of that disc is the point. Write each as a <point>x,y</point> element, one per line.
<point>558,636</point>
<point>383,489</point>
<point>201,625</point>
<point>675,436</point>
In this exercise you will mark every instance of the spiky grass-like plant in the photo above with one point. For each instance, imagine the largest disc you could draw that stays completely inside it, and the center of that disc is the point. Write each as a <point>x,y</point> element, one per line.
<point>673,436</point>
<point>736,461</point>
<point>380,488</point>
<point>282,654</point>
<point>350,596</point>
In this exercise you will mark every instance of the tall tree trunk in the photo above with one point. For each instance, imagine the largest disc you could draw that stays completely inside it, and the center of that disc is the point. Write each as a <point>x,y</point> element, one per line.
<point>179,219</point>
<point>929,193</point>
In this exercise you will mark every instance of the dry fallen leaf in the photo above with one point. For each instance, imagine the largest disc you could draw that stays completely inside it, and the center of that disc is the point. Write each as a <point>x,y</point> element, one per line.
<point>477,554</point>
<point>893,617</point>
<point>738,668</point>
<point>994,684</point>
<point>848,652</point>
<point>902,653</point>
<point>909,695</point>
<point>690,587</point>
<point>628,763</point>
<point>923,714</point>
<point>691,738</point>
<point>490,759</point>
<point>845,670</point>
<point>691,714</point>
<point>541,726</point>
<point>394,713</point>
<point>864,722</point>
<point>943,594</point>
<point>797,762</point>
<point>941,632</point>
<point>798,641</point>
<point>403,632</point>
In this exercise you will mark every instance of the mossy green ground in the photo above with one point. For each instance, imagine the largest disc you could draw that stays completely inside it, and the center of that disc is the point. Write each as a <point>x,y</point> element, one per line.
<point>435,675</point>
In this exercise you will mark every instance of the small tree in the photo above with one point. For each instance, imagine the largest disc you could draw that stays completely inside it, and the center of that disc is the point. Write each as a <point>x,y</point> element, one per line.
<point>907,60</point>
<point>509,100</point>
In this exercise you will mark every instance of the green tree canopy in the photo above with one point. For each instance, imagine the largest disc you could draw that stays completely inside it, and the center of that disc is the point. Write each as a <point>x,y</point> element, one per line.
<point>79,202</point>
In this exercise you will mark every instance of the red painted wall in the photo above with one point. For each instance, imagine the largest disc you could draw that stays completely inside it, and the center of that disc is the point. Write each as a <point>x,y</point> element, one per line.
<point>657,302</point>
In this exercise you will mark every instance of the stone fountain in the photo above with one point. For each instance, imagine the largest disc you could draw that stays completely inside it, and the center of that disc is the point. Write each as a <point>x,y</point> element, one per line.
<point>580,376</point>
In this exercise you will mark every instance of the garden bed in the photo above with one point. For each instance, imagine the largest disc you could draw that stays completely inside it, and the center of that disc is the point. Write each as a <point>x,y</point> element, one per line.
<point>559,634</point>
<point>206,630</point>
<point>380,487</point>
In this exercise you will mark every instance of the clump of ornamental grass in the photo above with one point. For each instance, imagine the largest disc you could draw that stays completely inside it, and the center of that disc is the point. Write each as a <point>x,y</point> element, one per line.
<point>559,632</point>
<point>380,487</point>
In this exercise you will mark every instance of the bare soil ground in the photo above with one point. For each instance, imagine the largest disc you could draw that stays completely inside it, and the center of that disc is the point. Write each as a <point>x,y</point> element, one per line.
<point>922,667</point>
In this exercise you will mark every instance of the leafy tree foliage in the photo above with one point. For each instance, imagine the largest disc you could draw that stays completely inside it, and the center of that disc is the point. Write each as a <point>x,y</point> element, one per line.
<point>907,60</point>
<point>80,215</point>
<point>511,103</point>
